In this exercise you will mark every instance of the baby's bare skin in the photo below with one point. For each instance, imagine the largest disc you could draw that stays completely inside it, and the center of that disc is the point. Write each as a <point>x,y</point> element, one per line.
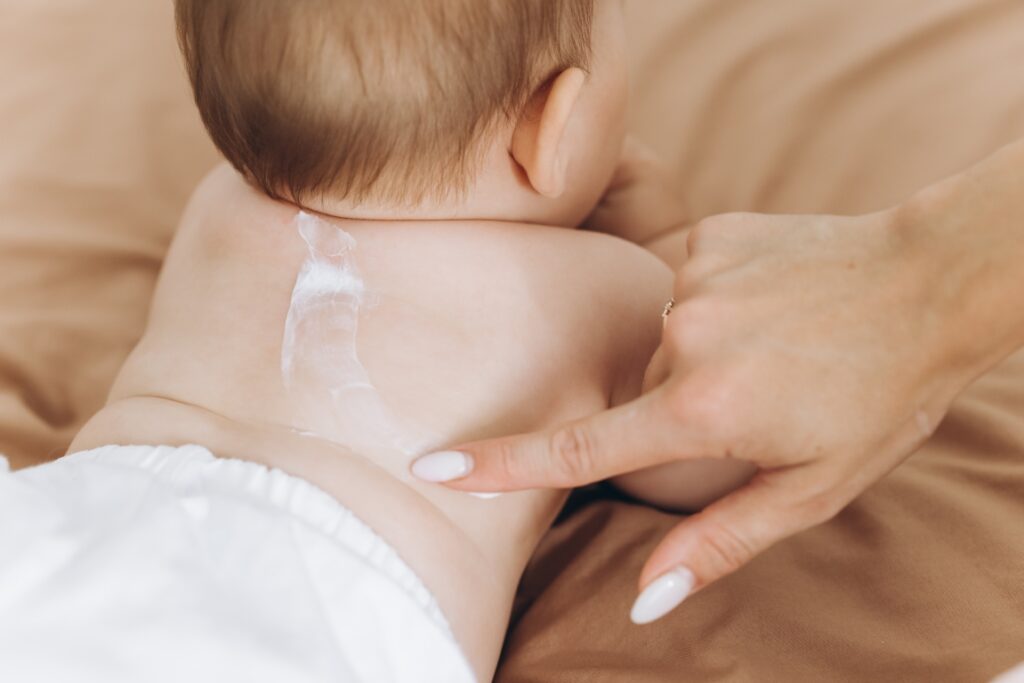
<point>478,329</point>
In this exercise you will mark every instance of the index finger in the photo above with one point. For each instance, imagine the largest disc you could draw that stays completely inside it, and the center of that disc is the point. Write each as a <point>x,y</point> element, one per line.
<point>630,437</point>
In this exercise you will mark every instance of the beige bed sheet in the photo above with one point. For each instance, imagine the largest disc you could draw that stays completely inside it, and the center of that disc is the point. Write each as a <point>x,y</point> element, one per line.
<point>769,105</point>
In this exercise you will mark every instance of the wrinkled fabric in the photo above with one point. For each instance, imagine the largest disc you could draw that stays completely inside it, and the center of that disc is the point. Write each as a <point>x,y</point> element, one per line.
<point>154,564</point>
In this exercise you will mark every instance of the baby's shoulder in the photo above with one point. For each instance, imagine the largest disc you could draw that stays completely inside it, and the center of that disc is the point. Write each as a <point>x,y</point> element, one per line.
<point>553,307</point>
<point>226,217</point>
<point>565,280</point>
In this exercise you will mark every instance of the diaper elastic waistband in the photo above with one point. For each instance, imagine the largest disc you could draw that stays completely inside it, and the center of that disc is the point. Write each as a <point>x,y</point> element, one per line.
<point>195,466</point>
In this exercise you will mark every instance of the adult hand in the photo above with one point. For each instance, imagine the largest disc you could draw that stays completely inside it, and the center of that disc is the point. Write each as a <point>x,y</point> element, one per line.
<point>823,350</point>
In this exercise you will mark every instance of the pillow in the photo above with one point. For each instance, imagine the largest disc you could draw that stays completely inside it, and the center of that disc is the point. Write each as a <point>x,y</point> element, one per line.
<point>788,106</point>
<point>101,148</point>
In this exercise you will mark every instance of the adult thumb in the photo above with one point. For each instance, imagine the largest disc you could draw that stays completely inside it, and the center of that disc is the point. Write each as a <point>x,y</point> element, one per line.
<point>627,438</point>
<point>716,542</point>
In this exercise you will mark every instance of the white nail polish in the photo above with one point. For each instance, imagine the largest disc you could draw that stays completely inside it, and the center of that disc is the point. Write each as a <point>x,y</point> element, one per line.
<point>663,595</point>
<point>443,466</point>
<point>485,496</point>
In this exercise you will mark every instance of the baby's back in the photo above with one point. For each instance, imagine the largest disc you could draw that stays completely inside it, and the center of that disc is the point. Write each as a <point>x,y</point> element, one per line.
<point>338,350</point>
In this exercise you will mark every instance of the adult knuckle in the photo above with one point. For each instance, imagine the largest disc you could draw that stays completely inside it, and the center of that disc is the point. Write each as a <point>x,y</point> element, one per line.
<point>697,273</point>
<point>690,326</point>
<point>508,460</point>
<point>727,549</point>
<point>689,278</point>
<point>736,220</point>
<point>680,338</point>
<point>699,235</point>
<point>695,312</point>
<point>573,449</point>
<point>820,507</point>
<point>705,233</point>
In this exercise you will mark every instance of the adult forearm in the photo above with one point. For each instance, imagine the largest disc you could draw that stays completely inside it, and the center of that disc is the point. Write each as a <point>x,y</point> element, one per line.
<point>970,229</point>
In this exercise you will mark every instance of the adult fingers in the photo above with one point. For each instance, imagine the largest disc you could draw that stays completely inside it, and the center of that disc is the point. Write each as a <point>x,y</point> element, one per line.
<point>627,438</point>
<point>726,536</point>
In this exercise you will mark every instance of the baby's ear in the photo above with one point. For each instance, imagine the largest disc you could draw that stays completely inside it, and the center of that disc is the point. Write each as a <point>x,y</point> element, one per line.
<point>538,143</point>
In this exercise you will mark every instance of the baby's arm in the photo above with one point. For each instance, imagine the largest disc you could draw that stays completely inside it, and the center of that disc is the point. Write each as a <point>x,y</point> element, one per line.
<point>643,206</point>
<point>686,486</point>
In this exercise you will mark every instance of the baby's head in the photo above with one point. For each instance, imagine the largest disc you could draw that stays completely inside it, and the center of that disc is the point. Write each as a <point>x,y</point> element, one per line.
<point>503,109</point>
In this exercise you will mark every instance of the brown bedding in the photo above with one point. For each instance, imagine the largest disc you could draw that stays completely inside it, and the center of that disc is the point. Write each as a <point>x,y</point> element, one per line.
<point>768,105</point>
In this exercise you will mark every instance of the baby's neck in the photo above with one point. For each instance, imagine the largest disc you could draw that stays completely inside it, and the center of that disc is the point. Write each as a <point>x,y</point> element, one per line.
<point>429,211</point>
<point>499,194</point>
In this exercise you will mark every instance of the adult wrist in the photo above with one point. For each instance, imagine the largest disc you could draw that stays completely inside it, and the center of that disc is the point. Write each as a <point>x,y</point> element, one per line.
<point>967,235</point>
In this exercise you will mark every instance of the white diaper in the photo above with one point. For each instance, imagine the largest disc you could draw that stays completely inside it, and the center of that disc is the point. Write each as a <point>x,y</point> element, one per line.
<point>129,564</point>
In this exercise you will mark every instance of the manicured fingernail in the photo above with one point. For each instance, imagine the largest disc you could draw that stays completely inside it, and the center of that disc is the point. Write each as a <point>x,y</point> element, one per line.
<point>443,466</point>
<point>663,595</point>
<point>485,496</point>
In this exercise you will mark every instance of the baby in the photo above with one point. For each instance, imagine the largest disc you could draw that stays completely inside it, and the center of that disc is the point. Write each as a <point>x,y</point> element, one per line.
<point>373,277</point>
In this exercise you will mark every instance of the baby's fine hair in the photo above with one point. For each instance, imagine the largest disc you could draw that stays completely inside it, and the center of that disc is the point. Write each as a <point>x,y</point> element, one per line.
<point>371,100</point>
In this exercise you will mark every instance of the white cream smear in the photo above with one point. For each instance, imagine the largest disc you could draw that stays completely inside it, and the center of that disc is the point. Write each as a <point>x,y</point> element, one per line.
<point>329,388</point>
